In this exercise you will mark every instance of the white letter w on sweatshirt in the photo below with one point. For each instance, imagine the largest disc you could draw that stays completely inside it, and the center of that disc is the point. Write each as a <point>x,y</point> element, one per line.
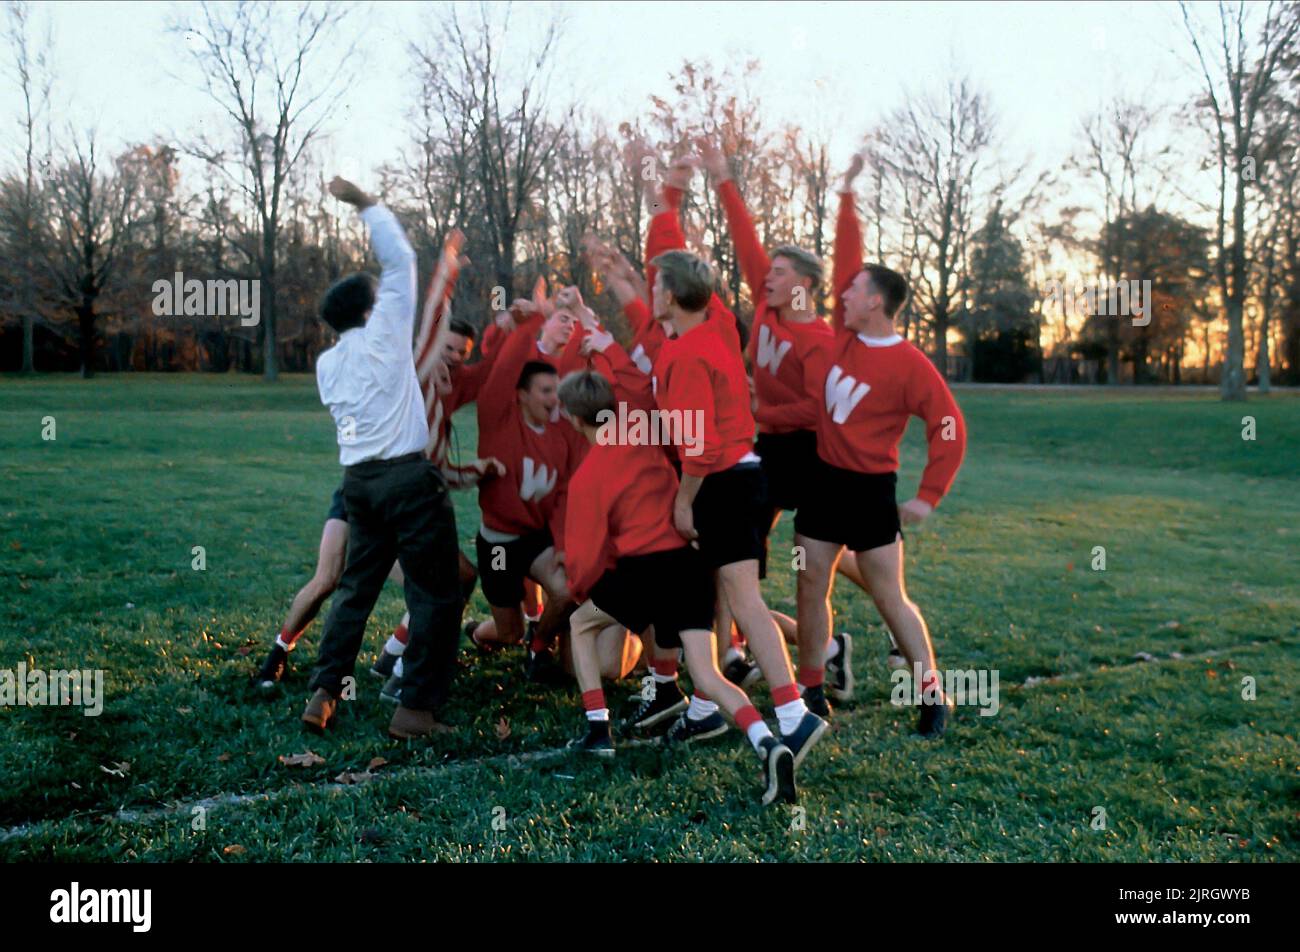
<point>536,482</point>
<point>843,393</point>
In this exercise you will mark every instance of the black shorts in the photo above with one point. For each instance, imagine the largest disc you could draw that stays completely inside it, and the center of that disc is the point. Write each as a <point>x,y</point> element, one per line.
<point>338,507</point>
<point>672,590</point>
<point>857,510</point>
<point>503,566</point>
<point>788,460</point>
<point>729,511</point>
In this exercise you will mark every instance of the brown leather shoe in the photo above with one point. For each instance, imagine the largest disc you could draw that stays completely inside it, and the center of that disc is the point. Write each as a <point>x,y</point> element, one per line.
<point>407,724</point>
<point>320,711</point>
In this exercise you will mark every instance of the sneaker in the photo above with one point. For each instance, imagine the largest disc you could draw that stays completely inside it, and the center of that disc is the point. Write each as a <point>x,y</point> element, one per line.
<point>542,668</point>
<point>741,673</point>
<point>383,668</point>
<point>391,692</point>
<point>665,702</point>
<point>815,700</point>
<point>596,740</point>
<point>320,711</point>
<point>896,661</point>
<point>778,772</point>
<point>839,670</point>
<point>409,724</point>
<point>273,671</point>
<point>686,729</point>
<point>470,627</point>
<point>801,740</point>
<point>933,720</point>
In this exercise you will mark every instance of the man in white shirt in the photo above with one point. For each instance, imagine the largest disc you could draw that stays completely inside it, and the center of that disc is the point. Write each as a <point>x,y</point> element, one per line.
<point>397,501</point>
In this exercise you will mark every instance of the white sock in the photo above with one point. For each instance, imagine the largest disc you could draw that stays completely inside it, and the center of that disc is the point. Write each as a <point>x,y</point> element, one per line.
<point>757,731</point>
<point>280,641</point>
<point>732,654</point>
<point>663,678</point>
<point>394,647</point>
<point>599,715</point>
<point>789,715</point>
<point>398,669</point>
<point>700,708</point>
<point>832,649</point>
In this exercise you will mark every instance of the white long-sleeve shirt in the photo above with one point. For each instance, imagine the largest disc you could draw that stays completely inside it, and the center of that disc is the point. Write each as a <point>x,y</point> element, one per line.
<point>367,379</point>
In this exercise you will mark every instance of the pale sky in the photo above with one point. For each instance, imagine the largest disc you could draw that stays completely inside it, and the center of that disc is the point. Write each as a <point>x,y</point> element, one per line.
<point>1044,65</point>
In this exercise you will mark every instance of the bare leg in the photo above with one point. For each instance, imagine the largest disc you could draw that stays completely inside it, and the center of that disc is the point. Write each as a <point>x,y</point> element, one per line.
<point>739,583</point>
<point>329,569</point>
<point>702,663</point>
<point>814,597</point>
<point>882,567</point>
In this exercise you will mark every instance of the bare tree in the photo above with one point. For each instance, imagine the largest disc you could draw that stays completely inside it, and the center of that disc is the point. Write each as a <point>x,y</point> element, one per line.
<point>31,69</point>
<point>500,113</point>
<point>90,233</point>
<point>1236,83</point>
<point>269,69</point>
<point>932,151</point>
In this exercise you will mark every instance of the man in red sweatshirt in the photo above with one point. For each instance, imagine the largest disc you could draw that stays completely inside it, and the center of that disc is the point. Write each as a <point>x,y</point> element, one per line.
<point>869,384</point>
<point>627,563</point>
<point>523,512</point>
<point>722,495</point>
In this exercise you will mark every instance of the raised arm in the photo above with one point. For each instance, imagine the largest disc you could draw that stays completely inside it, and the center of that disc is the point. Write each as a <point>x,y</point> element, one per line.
<point>497,399</point>
<point>754,263</point>
<point>848,243</point>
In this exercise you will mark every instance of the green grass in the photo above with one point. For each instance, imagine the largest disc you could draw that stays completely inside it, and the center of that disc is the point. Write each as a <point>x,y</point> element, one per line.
<point>1201,530</point>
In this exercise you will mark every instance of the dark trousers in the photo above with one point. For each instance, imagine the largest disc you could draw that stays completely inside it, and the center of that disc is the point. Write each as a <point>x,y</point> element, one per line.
<point>398,509</point>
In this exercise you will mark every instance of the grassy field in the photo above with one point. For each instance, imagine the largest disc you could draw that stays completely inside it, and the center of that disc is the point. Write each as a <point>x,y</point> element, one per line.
<point>1201,531</point>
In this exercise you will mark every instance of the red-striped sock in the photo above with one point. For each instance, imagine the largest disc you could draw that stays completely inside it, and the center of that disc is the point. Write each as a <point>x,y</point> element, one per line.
<point>811,677</point>
<point>932,678</point>
<point>737,639</point>
<point>538,643</point>
<point>664,669</point>
<point>286,638</point>
<point>401,634</point>
<point>784,694</point>
<point>749,721</point>
<point>593,702</point>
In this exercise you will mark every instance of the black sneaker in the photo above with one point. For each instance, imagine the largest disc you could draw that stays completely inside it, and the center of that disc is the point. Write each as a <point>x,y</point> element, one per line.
<point>839,670</point>
<point>815,700</point>
<point>383,668</point>
<point>686,729</point>
<point>273,671</point>
<point>741,673</point>
<point>596,740</point>
<point>470,627</point>
<point>664,702</point>
<point>933,721</point>
<point>542,668</point>
<point>802,738</point>
<point>391,692</point>
<point>778,772</point>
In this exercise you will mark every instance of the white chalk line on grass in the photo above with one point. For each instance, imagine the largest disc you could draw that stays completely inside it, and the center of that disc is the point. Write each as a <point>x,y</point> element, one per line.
<point>535,758</point>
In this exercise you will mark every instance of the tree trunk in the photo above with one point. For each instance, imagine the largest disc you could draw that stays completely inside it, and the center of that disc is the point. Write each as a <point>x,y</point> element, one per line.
<point>29,347</point>
<point>86,325</point>
<point>270,358</point>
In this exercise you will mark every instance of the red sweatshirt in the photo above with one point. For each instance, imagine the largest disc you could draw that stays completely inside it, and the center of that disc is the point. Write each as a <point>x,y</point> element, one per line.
<point>867,393</point>
<point>532,493</point>
<point>777,349</point>
<point>622,505</point>
<point>700,370</point>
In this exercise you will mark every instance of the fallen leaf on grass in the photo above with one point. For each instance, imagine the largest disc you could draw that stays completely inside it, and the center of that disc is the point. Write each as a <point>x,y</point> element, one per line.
<point>354,776</point>
<point>376,763</point>
<point>117,770</point>
<point>184,710</point>
<point>234,850</point>
<point>222,758</point>
<point>1144,656</point>
<point>309,759</point>
<point>503,729</point>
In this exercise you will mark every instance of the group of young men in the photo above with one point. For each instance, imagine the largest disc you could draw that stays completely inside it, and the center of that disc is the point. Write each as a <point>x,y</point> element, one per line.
<point>649,540</point>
